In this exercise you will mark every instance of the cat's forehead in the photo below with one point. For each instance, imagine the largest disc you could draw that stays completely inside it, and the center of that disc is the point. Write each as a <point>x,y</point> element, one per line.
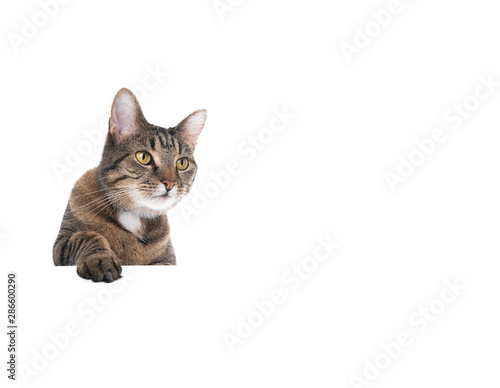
<point>163,140</point>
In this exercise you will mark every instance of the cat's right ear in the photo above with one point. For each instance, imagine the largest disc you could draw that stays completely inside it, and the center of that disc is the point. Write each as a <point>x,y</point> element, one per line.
<point>126,113</point>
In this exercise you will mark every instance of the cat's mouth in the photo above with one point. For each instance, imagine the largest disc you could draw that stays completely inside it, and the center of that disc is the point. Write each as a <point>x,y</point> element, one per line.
<point>172,194</point>
<point>164,198</point>
<point>159,200</point>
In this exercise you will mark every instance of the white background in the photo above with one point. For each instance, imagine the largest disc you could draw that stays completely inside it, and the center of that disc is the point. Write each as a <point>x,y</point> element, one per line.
<point>323,175</point>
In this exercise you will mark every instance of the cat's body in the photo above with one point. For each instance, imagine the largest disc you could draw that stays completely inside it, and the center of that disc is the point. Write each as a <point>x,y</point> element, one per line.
<point>151,244</point>
<point>116,214</point>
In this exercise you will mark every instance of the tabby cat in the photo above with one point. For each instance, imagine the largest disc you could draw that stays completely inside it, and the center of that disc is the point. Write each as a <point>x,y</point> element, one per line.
<point>116,214</point>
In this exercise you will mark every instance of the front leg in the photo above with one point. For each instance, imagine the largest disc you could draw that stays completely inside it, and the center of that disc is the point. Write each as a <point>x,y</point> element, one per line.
<point>92,255</point>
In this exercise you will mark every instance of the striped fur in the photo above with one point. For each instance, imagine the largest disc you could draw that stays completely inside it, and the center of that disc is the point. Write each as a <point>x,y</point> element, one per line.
<point>91,234</point>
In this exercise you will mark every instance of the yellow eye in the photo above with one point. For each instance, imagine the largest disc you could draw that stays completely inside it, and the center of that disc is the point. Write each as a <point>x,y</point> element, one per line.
<point>182,164</point>
<point>143,157</point>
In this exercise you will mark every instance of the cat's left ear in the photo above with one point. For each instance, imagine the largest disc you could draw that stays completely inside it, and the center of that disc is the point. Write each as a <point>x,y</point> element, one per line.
<point>126,114</point>
<point>191,126</point>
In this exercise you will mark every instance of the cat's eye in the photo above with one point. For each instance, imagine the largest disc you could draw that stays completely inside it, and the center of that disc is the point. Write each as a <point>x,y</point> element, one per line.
<point>143,157</point>
<point>182,164</point>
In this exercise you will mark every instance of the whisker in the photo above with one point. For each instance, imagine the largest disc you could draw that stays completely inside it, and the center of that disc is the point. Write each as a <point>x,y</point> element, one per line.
<point>101,198</point>
<point>109,198</point>
<point>97,191</point>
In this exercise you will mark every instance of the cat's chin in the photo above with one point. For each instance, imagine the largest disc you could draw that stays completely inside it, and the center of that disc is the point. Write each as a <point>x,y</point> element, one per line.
<point>157,205</point>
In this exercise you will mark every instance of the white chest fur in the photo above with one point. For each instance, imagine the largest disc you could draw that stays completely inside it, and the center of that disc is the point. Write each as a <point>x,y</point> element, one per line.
<point>132,222</point>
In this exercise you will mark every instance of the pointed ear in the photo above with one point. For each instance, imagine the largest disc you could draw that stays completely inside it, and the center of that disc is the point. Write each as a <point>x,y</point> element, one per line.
<point>191,126</point>
<point>125,115</point>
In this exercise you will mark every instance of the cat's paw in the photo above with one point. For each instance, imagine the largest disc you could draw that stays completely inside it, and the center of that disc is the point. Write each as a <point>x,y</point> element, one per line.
<point>105,268</point>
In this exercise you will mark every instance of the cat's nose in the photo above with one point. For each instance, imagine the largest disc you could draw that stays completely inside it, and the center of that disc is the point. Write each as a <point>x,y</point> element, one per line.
<point>169,185</point>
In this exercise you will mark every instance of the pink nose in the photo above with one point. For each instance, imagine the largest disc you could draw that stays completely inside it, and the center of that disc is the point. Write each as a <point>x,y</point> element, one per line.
<point>169,185</point>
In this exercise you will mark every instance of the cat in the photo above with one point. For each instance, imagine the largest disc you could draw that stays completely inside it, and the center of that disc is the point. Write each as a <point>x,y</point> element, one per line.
<point>116,214</point>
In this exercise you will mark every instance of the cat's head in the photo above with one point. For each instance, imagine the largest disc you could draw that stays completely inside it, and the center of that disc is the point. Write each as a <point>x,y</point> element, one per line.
<point>145,168</point>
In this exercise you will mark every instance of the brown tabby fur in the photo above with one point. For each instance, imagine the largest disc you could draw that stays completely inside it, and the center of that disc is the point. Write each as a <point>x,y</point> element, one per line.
<point>91,235</point>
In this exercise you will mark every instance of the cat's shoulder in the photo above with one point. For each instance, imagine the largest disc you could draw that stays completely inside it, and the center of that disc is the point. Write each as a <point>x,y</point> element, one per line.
<point>85,189</point>
<point>87,182</point>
